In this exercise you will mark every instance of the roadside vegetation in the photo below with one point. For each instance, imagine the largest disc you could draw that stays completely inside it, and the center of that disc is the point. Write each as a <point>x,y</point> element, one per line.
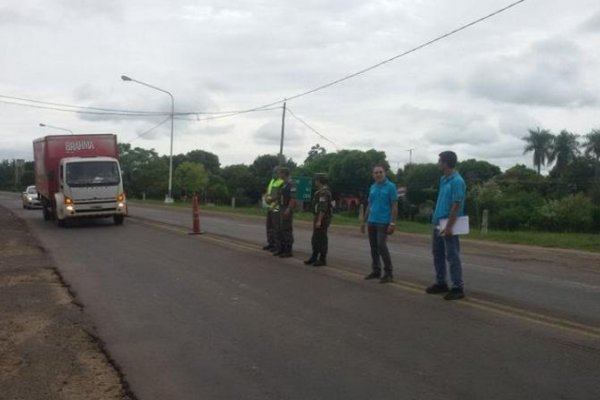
<point>560,209</point>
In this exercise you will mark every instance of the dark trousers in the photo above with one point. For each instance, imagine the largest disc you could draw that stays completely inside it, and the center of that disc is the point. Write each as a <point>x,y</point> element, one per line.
<point>286,232</point>
<point>276,229</point>
<point>379,250</point>
<point>320,241</point>
<point>270,230</point>
<point>447,249</point>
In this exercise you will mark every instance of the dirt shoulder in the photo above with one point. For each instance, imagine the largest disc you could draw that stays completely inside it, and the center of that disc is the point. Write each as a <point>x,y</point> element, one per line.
<point>48,347</point>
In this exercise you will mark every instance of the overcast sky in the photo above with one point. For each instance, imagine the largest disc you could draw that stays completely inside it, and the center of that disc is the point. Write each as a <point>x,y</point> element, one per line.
<point>476,93</point>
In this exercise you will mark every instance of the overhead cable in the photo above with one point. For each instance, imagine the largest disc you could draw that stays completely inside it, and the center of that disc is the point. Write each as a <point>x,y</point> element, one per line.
<point>311,128</point>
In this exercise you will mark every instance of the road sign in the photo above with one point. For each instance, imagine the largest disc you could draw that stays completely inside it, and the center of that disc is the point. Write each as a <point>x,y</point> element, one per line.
<point>303,187</point>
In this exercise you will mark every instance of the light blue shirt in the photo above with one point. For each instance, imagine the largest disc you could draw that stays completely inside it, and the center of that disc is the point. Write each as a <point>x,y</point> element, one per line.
<point>452,190</point>
<point>381,197</point>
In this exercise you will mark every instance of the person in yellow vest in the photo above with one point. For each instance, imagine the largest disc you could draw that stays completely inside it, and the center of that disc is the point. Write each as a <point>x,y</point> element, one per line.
<point>272,200</point>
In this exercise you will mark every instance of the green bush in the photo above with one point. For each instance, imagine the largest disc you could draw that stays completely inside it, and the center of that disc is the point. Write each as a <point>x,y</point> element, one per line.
<point>574,213</point>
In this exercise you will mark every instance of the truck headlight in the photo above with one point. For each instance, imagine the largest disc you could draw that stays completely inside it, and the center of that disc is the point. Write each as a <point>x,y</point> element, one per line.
<point>68,200</point>
<point>121,198</point>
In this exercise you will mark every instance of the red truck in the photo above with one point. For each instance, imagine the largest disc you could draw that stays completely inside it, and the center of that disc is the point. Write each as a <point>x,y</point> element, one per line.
<point>79,176</point>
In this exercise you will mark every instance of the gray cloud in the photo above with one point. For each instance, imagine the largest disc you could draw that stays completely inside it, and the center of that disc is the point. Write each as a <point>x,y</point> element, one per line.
<point>592,24</point>
<point>270,134</point>
<point>548,74</point>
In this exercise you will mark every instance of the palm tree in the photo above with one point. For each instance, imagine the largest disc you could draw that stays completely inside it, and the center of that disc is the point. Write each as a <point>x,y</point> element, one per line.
<point>540,142</point>
<point>592,148</point>
<point>565,149</point>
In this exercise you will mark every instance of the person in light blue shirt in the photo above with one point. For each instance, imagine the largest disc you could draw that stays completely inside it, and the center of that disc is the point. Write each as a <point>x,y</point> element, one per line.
<point>445,244</point>
<point>380,216</point>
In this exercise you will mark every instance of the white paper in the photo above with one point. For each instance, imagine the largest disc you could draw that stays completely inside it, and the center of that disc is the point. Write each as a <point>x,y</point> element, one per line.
<point>461,226</point>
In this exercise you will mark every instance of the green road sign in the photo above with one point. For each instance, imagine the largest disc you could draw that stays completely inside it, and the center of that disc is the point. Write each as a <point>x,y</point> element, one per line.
<point>303,187</point>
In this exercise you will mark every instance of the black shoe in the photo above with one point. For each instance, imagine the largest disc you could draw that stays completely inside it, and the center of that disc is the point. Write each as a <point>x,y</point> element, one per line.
<point>437,289</point>
<point>286,254</point>
<point>455,294</point>
<point>268,248</point>
<point>312,259</point>
<point>320,263</point>
<point>387,278</point>
<point>277,253</point>
<point>373,275</point>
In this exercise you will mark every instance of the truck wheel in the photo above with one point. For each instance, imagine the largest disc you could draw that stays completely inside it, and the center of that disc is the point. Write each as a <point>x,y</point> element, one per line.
<point>119,219</point>
<point>60,222</point>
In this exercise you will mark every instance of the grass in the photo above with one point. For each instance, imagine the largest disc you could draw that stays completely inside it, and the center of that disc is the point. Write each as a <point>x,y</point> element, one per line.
<point>575,241</point>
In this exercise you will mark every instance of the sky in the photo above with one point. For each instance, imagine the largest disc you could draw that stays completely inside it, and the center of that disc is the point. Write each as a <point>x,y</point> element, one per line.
<point>477,92</point>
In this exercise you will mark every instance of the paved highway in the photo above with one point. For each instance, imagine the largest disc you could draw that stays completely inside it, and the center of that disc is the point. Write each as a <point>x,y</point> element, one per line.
<point>212,317</point>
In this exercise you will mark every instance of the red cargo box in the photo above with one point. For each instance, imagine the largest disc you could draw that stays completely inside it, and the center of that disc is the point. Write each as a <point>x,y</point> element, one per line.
<point>49,150</point>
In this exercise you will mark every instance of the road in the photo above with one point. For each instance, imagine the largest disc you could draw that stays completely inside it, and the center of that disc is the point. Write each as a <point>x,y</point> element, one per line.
<point>212,317</point>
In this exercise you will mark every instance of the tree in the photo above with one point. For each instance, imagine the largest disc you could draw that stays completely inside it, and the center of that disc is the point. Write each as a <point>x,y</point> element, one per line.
<point>564,150</point>
<point>263,166</point>
<point>540,143</point>
<point>476,171</point>
<point>190,177</point>
<point>520,178</point>
<point>315,152</point>
<point>242,184</point>
<point>592,149</point>
<point>592,144</point>
<point>350,171</point>
<point>144,172</point>
<point>209,160</point>
<point>421,182</point>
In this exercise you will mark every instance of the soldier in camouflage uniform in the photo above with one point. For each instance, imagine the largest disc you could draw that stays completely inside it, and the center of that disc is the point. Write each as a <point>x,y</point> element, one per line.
<point>321,206</point>
<point>288,203</point>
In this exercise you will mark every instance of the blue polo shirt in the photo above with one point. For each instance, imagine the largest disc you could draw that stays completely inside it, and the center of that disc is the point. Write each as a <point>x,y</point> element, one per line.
<point>381,197</point>
<point>452,190</point>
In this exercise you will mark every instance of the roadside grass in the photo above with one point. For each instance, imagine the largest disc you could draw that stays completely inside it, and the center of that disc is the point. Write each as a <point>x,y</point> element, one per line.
<point>575,241</point>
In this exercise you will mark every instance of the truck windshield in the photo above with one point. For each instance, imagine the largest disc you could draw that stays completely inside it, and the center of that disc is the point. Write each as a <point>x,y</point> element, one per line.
<point>93,173</point>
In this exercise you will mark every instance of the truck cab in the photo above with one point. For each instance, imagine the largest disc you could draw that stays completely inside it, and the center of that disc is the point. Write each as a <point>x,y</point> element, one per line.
<point>90,187</point>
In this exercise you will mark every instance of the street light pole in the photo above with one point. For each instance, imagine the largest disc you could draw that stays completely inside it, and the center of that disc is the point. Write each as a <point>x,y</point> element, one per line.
<point>169,197</point>
<point>56,127</point>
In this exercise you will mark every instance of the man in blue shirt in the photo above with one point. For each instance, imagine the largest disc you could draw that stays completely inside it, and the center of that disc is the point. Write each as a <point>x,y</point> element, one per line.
<point>446,247</point>
<point>381,215</point>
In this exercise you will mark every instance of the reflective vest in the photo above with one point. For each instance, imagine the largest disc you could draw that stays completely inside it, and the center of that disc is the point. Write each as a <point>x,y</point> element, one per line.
<point>273,193</point>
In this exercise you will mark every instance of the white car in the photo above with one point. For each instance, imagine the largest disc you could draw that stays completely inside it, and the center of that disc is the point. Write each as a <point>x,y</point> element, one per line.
<point>30,198</point>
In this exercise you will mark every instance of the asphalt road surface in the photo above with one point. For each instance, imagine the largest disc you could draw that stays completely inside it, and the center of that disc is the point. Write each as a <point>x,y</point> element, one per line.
<point>213,317</point>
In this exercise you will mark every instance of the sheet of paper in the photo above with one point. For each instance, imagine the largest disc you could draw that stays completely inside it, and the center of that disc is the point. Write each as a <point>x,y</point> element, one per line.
<point>461,226</point>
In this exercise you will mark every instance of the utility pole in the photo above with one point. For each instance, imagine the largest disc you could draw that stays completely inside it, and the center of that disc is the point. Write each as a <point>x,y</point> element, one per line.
<point>281,160</point>
<point>410,155</point>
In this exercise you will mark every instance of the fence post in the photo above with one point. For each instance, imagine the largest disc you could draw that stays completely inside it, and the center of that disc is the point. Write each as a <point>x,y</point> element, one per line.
<point>484,222</point>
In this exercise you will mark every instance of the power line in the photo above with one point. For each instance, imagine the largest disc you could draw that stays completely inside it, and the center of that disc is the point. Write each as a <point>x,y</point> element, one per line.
<point>21,101</point>
<point>311,128</point>
<point>227,114</point>
<point>125,114</point>
<point>257,109</point>
<point>150,130</point>
<point>414,49</point>
<point>76,106</point>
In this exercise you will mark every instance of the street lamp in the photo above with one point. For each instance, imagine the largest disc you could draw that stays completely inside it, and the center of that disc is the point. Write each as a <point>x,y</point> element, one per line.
<point>169,197</point>
<point>56,127</point>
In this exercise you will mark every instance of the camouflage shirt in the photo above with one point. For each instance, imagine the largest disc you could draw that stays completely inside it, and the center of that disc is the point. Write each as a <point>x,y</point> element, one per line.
<point>322,202</point>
